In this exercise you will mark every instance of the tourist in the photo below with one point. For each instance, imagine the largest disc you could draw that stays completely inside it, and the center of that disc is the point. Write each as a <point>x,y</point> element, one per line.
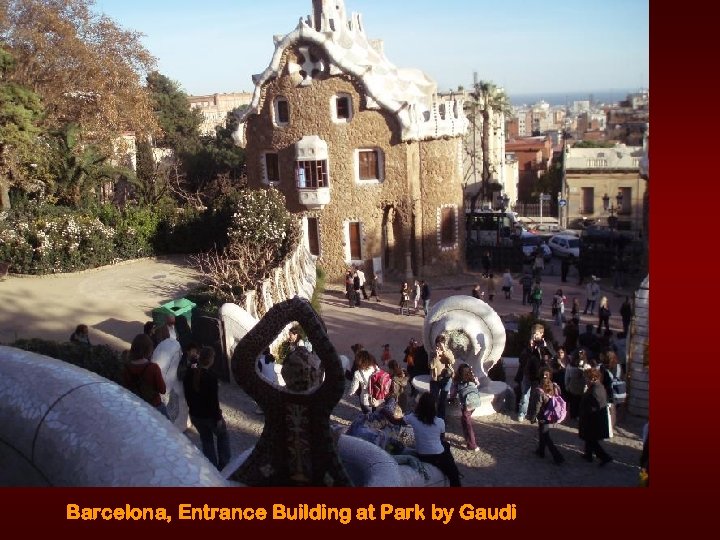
<point>536,299</point>
<point>430,445</point>
<point>486,262</point>
<point>490,287</point>
<point>558,308</point>
<point>404,299</point>
<point>476,293</point>
<point>366,366</point>
<point>201,394</point>
<point>507,284</point>
<point>399,384</point>
<point>81,335</point>
<point>357,287</point>
<point>266,366</point>
<point>417,293</point>
<point>361,277</point>
<point>594,419</point>
<point>539,399</point>
<point>465,389</point>
<point>170,324</point>
<point>592,291</point>
<point>386,356</point>
<point>575,383</point>
<point>527,282</point>
<point>375,287</point>
<point>425,296</point>
<point>530,362</point>
<point>626,313</point>
<point>538,265</point>
<point>143,377</point>
<point>441,373</point>
<point>603,314</point>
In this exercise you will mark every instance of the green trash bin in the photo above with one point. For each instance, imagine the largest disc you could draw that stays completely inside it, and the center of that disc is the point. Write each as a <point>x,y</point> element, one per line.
<point>182,307</point>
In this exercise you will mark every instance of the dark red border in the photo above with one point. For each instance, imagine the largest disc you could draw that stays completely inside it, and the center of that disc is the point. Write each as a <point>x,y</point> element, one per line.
<point>684,329</point>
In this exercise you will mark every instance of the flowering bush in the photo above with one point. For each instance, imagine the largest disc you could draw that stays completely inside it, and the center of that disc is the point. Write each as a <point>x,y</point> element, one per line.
<point>39,238</point>
<point>262,221</point>
<point>50,244</point>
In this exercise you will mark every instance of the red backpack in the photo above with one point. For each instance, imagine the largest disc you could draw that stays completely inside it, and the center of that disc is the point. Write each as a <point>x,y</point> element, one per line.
<point>379,386</point>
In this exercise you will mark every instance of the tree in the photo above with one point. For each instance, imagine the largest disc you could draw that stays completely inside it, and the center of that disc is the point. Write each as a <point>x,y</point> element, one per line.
<point>87,70</point>
<point>20,148</point>
<point>78,169</point>
<point>152,178</point>
<point>178,122</point>
<point>487,100</point>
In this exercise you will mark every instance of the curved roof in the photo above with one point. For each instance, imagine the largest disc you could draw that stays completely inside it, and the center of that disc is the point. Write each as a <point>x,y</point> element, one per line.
<point>409,94</point>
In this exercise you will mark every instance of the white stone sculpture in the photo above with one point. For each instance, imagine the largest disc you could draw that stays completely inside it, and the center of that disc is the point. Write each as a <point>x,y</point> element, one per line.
<point>167,355</point>
<point>61,425</point>
<point>236,323</point>
<point>476,336</point>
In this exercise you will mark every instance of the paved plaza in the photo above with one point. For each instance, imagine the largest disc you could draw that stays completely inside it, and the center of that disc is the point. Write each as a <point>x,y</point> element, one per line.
<point>115,302</point>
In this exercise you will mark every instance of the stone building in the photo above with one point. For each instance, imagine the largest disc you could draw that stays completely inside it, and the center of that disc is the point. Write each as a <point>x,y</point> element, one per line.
<point>215,108</point>
<point>605,183</point>
<point>366,153</point>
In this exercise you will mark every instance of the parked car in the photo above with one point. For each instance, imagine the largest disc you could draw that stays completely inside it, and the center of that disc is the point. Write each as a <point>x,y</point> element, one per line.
<point>565,245</point>
<point>532,242</point>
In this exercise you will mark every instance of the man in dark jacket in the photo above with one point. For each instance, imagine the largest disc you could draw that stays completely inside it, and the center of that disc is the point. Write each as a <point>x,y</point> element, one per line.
<point>531,362</point>
<point>425,296</point>
<point>594,420</point>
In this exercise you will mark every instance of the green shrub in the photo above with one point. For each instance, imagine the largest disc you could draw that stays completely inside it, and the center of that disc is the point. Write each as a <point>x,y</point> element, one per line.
<point>99,359</point>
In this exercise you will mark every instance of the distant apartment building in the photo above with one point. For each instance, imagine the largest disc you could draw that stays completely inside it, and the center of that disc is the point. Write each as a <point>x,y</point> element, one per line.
<point>215,108</point>
<point>600,183</point>
<point>628,121</point>
<point>533,156</point>
<point>591,126</point>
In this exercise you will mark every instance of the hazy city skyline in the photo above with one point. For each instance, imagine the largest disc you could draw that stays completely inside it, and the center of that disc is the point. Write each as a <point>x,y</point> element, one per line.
<point>527,47</point>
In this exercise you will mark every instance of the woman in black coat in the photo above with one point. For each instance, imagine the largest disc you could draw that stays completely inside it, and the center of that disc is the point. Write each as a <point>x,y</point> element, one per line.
<point>594,417</point>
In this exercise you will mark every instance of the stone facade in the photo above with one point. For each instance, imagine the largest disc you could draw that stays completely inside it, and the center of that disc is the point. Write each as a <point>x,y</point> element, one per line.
<point>418,191</point>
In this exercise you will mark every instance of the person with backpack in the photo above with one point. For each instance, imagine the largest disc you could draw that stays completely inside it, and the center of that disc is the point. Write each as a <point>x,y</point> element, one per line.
<point>530,363</point>
<point>366,366</point>
<point>465,389</point>
<point>547,407</point>
<point>201,393</point>
<point>143,377</point>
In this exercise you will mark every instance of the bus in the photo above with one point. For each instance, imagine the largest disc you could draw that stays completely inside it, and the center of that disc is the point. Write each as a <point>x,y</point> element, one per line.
<point>493,228</point>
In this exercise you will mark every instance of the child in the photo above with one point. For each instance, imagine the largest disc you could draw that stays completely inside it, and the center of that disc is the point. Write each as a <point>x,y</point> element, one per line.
<point>386,356</point>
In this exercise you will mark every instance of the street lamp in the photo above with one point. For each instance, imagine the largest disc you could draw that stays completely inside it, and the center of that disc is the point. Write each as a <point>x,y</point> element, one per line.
<point>504,202</point>
<point>612,220</point>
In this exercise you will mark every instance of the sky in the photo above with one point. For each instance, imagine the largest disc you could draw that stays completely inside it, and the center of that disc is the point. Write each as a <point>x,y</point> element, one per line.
<point>525,46</point>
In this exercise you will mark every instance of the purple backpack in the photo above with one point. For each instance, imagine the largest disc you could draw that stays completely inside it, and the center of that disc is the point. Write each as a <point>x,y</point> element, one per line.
<point>555,408</point>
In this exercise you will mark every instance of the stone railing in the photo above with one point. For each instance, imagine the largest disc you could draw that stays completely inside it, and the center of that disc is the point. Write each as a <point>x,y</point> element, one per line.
<point>638,368</point>
<point>294,276</point>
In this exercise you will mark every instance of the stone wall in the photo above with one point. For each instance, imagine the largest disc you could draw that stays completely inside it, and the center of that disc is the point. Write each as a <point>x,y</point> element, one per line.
<point>419,177</point>
<point>638,360</point>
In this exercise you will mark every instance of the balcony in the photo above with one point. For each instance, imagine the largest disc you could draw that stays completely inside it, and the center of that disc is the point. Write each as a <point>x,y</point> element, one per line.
<point>314,198</point>
<point>311,172</point>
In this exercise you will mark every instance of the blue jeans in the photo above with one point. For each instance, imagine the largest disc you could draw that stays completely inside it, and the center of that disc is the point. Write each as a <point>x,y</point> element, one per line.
<point>426,306</point>
<point>524,398</point>
<point>207,428</point>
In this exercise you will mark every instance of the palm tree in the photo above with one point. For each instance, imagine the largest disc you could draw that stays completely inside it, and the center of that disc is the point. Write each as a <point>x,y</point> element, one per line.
<point>77,168</point>
<point>488,99</point>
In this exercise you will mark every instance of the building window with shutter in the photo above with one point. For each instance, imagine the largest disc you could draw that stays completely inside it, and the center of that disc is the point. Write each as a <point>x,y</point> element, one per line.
<point>447,227</point>
<point>272,168</point>
<point>588,200</point>
<point>353,239</point>
<point>370,165</point>
<point>281,109</point>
